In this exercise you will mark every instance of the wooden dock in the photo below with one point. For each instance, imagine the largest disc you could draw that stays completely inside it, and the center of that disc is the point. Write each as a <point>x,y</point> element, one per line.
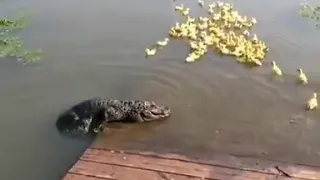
<point>107,164</point>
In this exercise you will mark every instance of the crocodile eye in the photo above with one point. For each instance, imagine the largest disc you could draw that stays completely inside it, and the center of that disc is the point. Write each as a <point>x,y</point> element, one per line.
<point>99,103</point>
<point>147,103</point>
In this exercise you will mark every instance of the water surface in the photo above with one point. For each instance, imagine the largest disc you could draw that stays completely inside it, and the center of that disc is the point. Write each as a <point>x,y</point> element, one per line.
<point>96,48</point>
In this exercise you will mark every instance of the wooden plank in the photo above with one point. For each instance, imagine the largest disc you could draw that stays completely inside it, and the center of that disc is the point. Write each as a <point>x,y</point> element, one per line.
<point>103,161</point>
<point>71,176</point>
<point>240,163</point>
<point>114,172</point>
<point>109,164</point>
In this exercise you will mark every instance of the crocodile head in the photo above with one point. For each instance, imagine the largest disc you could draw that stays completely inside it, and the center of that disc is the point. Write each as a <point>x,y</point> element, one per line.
<point>70,123</point>
<point>152,111</point>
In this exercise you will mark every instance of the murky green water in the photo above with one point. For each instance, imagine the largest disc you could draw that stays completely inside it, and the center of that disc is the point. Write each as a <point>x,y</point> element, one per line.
<point>96,48</point>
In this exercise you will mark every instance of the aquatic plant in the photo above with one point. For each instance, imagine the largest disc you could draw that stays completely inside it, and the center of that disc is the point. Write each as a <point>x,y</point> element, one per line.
<point>312,13</point>
<point>12,46</point>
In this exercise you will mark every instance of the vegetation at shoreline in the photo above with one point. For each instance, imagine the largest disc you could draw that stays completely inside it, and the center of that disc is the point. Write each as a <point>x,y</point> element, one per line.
<point>11,45</point>
<point>312,13</point>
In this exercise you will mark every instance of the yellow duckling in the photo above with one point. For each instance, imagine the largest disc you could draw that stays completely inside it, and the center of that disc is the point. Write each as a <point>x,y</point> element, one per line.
<point>246,33</point>
<point>203,19</point>
<point>185,12</point>
<point>220,4</point>
<point>313,102</point>
<point>227,25</point>
<point>208,40</point>
<point>210,11</point>
<point>201,3</point>
<point>231,42</point>
<point>202,45</point>
<point>256,62</point>
<point>224,50</point>
<point>177,25</point>
<point>226,7</point>
<point>184,32</point>
<point>163,43</point>
<point>263,46</point>
<point>203,25</point>
<point>190,20</point>
<point>302,77</point>
<point>203,34</point>
<point>151,52</point>
<point>243,19</point>
<point>212,6</point>
<point>192,35</point>
<point>213,29</point>
<point>179,7</point>
<point>192,27</point>
<point>238,25</point>
<point>235,14</point>
<point>276,69</point>
<point>259,54</point>
<point>255,38</point>
<point>173,33</point>
<point>238,52</point>
<point>253,21</point>
<point>232,19</point>
<point>232,34</point>
<point>193,44</point>
<point>192,57</point>
<point>216,17</point>
<point>215,40</point>
<point>201,52</point>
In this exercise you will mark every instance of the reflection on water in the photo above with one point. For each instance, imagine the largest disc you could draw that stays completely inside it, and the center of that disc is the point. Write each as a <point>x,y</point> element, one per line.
<point>96,48</point>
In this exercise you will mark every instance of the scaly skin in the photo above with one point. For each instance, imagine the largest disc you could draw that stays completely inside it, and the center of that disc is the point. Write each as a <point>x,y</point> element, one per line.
<point>88,115</point>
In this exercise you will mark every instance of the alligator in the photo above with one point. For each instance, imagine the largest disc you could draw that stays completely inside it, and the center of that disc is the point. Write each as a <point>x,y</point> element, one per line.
<point>88,116</point>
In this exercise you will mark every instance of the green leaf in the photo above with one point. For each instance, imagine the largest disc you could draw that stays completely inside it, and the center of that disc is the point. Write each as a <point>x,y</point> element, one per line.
<point>13,46</point>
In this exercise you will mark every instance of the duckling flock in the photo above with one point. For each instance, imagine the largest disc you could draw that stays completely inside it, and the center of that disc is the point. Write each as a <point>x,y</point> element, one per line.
<point>227,32</point>
<point>224,30</point>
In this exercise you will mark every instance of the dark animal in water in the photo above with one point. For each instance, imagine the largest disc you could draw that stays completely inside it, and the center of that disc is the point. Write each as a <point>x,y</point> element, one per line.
<point>89,115</point>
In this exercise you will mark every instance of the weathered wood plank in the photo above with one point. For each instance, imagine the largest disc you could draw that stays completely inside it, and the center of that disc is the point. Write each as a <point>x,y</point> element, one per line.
<point>240,163</point>
<point>71,176</point>
<point>107,159</point>
<point>108,164</point>
<point>114,172</point>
